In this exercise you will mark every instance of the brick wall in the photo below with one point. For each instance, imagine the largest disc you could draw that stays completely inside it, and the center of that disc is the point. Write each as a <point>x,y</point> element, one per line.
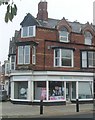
<point>45,54</point>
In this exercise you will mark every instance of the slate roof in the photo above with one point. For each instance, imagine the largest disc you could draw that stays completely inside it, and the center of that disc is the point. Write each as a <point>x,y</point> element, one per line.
<point>29,20</point>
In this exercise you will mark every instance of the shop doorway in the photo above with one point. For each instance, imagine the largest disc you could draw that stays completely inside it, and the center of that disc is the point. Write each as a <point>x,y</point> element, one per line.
<point>68,91</point>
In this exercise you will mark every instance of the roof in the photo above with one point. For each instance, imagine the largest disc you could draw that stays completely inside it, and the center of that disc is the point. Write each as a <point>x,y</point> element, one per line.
<point>29,20</point>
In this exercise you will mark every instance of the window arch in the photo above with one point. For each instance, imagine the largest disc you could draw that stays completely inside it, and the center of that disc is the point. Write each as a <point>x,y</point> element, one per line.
<point>63,34</point>
<point>88,38</point>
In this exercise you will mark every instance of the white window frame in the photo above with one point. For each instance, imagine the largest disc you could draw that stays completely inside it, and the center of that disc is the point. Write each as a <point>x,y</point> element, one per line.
<point>27,34</point>
<point>88,59</point>
<point>84,60</point>
<point>60,57</point>
<point>88,41</point>
<point>34,55</point>
<point>88,38</point>
<point>91,59</point>
<point>13,63</point>
<point>63,38</point>
<point>23,56</point>
<point>7,68</point>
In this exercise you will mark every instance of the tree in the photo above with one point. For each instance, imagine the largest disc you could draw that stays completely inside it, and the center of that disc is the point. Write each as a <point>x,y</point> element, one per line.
<point>11,11</point>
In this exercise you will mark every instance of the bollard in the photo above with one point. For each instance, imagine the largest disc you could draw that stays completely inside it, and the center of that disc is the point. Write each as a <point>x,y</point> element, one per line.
<point>77,105</point>
<point>41,107</point>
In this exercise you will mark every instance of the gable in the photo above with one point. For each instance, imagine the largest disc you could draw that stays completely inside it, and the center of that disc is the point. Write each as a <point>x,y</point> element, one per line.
<point>29,20</point>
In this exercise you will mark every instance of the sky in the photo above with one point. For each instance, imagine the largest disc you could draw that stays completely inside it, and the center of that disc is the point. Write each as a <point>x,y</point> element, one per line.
<point>80,10</point>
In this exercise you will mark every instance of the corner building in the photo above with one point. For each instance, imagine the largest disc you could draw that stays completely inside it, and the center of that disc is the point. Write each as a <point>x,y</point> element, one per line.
<point>55,60</point>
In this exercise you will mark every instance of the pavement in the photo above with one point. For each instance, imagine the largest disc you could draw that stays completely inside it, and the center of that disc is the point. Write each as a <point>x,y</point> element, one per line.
<point>10,110</point>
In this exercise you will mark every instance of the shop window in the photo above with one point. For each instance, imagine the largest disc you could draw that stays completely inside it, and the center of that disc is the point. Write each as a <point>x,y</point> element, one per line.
<point>85,90</point>
<point>40,90</point>
<point>56,90</point>
<point>20,90</point>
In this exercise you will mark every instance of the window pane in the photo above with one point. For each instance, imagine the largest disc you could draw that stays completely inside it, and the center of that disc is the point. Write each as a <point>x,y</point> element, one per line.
<point>85,90</point>
<point>13,59</point>
<point>57,53</point>
<point>84,59</point>
<point>90,59</point>
<point>57,57</point>
<point>31,31</point>
<point>66,62</point>
<point>20,55</point>
<point>57,62</point>
<point>56,90</point>
<point>88,41</point>
<point>40,90</point>
<point>13,65</point>
<point>33,55</point>
<point>66,59</point>
<point>20,90</point>
<point>88,38</point>
<point>63,36</point>
<point>66,53</point>
<point>27,54</point>
<point>25,31</point>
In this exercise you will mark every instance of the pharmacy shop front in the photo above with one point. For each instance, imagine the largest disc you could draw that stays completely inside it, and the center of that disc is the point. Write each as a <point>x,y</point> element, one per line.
<point>51,87</point>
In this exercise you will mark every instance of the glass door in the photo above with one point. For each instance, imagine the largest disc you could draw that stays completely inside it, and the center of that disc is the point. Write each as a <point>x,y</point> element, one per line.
<point>68,91</point>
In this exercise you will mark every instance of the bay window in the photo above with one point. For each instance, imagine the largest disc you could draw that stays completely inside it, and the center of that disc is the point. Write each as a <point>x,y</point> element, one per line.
<point>24,54</point>
<point>63,57</point>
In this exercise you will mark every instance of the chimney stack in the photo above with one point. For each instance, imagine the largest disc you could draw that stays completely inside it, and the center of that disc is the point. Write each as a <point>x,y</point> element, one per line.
<point>42,11</point>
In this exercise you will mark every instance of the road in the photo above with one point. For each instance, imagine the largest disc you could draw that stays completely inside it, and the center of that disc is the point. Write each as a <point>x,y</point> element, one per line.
<point>85,115</point>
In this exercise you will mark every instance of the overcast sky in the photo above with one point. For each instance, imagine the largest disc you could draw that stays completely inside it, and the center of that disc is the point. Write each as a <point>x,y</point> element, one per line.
<point>80,10</point>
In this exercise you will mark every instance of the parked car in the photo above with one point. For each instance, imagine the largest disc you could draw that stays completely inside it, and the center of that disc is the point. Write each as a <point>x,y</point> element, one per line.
<point>3,95</point>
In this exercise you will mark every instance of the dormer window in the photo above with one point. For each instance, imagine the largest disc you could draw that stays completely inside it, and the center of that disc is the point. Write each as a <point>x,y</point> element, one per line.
<point>63,35</point>
<point>28,31</point>
<point>88,38</point>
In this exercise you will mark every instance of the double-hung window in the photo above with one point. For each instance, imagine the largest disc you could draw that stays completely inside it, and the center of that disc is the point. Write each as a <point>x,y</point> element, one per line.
<point>88,38</point>
<point>24,54</point>
<point>13,61</point>
<point>88,59</point>
<point>28,31</point>
<point>63,58</point>
<point>63,35</point>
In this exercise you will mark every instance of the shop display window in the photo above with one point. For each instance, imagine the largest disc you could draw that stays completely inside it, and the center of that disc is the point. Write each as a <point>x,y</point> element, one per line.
<point>40,90</point>
<point>85,90</point>
<point>20,90</point>
<point>56,90</point>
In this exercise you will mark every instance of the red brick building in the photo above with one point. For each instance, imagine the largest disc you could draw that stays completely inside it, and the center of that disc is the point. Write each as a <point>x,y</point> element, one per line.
<point>55,60</point>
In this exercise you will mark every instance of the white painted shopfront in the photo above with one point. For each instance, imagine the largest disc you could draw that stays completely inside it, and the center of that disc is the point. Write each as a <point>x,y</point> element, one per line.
<point>51,86</point>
